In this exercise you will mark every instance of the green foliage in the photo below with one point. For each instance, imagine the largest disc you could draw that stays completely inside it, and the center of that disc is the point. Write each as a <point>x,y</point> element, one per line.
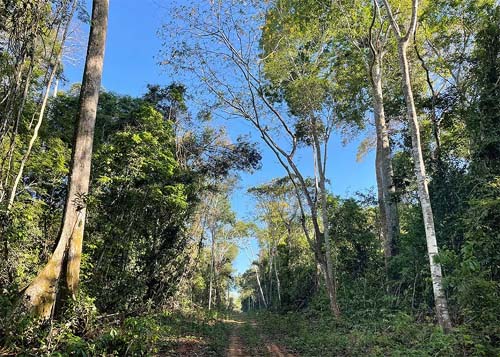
<point>139,209</point>
<point>311,65</point>
<point>353,229</point>
<point>382,334</point>
<point>136,181</point>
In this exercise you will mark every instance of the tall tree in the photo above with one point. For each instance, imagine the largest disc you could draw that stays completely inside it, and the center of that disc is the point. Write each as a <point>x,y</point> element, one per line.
<point>404,38</point>
<point>383,163</point>
<point>355,31</point>
<point>41,294</point>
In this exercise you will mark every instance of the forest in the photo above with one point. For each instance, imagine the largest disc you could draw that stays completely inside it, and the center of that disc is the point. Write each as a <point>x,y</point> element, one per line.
<point>206,217</point>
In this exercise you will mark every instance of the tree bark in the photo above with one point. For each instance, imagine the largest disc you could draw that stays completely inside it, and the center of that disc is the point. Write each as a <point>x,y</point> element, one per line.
<point>278,283</point>
<point>212,268</point>
<point>423,190</point>
<point>270,277</point>
<point>329,268</point>
<point>384,171</point>
<point>380,199</point>
<point>423,194</point>
<point>389,217</point>
<point>41,294</point>
<point>260,286</point>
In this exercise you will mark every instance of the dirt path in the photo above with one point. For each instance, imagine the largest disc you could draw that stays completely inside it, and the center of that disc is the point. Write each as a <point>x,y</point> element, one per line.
<point>236,346</point>
<point>276,351</point>
<point>239,347</point>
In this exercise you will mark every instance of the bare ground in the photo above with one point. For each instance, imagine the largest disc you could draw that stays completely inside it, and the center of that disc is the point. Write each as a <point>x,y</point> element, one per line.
<point>238,346</point>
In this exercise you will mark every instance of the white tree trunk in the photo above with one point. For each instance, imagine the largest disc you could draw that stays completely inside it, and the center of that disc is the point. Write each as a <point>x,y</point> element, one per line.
<point>418,160</point>
<point>260,286</point>
<point>278,283</point>
<point>423,193</point>
<point>212,268</point>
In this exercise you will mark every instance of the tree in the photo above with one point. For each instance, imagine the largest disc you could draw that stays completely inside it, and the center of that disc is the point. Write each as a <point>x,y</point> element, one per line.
<point>404,39</point>
<point>41,294</point>
<point>66,20</point>
<point>342,44</point>
<point>383,161</point>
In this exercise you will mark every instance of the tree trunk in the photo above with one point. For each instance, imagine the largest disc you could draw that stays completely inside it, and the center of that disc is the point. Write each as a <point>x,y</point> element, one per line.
<point>384,171</point>
<point>212,268</point>
<point>418,160</point>
<point>41,294</point>
<point>423,193</point>
<point>278,283</point>
<point>260,286</point>
<point>380,199</point>
<point>270,277</point>
<point>329,268</point>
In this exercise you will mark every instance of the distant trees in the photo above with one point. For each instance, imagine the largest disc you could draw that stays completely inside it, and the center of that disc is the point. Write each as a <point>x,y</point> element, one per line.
<point>211,275</point>
<point>219,220</point>
<point>278,209</point>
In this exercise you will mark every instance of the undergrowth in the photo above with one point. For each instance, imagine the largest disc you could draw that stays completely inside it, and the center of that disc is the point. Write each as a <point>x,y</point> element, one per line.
<point>311,333</point>
<point>170,333</point>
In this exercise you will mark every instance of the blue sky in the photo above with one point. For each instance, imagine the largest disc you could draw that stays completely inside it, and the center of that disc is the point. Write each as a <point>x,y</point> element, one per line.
<point>131,62</point>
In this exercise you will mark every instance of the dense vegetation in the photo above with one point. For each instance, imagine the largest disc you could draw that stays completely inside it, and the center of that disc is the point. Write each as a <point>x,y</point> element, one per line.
<point>117,234</point>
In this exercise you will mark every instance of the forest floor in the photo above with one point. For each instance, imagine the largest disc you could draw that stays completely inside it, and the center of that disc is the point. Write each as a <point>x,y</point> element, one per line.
<point>208,333</point>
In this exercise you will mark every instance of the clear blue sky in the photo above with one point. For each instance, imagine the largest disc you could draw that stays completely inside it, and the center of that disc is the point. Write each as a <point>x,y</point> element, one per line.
<point>131,62</point>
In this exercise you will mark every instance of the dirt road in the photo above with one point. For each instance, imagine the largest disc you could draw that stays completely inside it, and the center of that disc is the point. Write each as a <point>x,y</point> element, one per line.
<point>245,340</point>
